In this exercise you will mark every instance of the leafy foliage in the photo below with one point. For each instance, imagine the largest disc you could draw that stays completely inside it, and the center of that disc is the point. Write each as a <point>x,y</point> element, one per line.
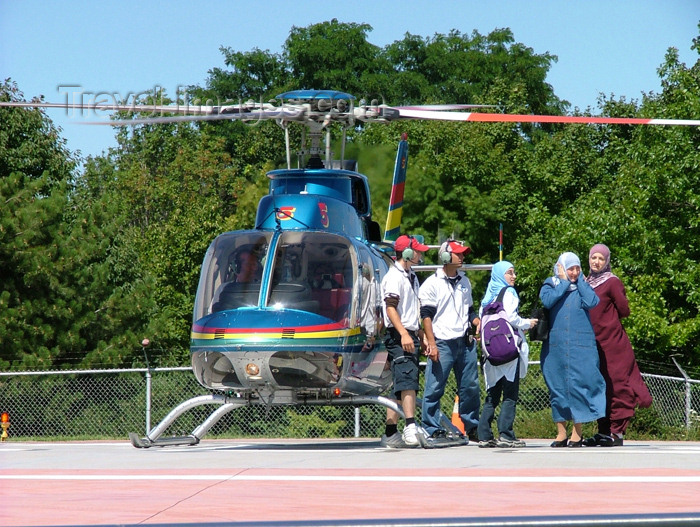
<point>92,262</point>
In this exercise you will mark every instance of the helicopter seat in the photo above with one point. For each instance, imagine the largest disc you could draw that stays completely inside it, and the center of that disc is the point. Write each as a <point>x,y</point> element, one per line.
<point>232,295</point>
<point>294,295</point>
<point>340,299</point>
<point>333,303</point>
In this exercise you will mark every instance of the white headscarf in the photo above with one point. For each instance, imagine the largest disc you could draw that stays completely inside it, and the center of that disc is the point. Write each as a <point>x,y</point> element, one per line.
<point>567,261</point>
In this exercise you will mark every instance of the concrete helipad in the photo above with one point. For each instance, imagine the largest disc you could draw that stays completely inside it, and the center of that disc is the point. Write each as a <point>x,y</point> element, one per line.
<point>89,483</point>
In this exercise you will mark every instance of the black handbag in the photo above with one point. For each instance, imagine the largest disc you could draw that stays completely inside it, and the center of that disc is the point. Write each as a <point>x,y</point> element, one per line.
<point>541,330</point>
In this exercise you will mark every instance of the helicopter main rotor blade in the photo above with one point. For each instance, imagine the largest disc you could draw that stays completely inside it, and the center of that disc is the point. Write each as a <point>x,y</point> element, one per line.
<point>251,111</point>
<point>445,107</point>
<point>408,113</point>
<point>201,110</point>
<point>285,115</point>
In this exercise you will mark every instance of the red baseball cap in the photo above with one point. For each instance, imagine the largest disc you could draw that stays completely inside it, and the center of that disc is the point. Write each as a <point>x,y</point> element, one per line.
<point>404,242</point>
<point>455,247</point>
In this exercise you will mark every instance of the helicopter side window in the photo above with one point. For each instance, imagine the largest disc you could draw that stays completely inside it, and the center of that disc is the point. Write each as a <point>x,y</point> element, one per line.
<point>359,197</point>
<point>370,309</point>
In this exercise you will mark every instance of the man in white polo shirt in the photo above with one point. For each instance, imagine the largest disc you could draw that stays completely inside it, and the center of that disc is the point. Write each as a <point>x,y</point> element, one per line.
<point>448,314</point>
<point>404,339</point>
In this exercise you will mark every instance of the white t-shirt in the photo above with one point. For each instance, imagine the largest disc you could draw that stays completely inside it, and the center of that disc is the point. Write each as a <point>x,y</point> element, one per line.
<point>452,299</point>
<point>403,284</point>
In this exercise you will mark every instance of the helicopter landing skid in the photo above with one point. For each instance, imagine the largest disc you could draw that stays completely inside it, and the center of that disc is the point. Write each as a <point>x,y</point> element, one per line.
<point>453,435</point>
<point>230,403</point>
<point>153,437</point>
<point>144,442</point>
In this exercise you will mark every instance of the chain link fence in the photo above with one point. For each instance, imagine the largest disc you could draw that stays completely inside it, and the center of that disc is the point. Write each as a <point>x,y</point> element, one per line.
<point>108,404</point>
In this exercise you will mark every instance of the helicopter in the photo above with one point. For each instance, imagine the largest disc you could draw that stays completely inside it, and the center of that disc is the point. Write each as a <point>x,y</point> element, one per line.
<point>288,312</point>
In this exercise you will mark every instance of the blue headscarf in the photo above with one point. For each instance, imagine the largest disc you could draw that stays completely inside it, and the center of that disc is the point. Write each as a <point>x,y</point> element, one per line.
<point>567,260</point>
<point>497,282</point>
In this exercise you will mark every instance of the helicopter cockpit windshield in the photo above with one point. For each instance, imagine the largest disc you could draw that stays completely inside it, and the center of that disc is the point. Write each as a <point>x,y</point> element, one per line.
<point>309,271</point>
<point>314,272</point>
<point>232,272</point>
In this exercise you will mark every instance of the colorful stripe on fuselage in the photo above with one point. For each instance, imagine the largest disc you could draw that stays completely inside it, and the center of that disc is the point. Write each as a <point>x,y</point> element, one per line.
<point>320,331</point>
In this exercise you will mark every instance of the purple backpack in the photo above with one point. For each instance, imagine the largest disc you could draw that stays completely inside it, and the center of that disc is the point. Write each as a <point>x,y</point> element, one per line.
<point>499,343</point>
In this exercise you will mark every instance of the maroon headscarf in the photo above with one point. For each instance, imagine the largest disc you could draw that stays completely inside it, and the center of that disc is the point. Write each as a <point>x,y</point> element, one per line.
<point>595,279</point>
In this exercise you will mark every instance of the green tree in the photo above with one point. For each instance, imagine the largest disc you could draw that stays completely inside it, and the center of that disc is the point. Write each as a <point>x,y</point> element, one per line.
<point>635,190</point>
<point>177,189</point>
<point>335,56</point>
<point>92,263</point>
<point>49,250</point>
<point>251,74</point>
<point>483,69</point>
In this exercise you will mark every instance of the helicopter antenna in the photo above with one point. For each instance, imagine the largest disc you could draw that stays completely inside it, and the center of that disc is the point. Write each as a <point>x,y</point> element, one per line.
<point>329,155</point>
<point>342,145</point>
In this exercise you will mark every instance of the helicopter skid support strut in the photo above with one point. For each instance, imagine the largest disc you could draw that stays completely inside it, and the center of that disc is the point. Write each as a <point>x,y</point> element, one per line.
<point>153,436</point>
<point>228,404</point>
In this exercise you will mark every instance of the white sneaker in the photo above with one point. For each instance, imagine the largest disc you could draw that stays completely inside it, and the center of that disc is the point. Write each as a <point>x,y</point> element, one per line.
<point>410,435</point>
<point>414,436</point>
<point>393,441</point>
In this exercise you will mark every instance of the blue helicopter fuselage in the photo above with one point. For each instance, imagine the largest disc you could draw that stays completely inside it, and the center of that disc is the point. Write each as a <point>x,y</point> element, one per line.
<point>292,308</point>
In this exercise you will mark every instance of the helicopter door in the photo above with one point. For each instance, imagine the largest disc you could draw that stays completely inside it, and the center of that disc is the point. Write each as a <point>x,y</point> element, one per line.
<point>314,272</point>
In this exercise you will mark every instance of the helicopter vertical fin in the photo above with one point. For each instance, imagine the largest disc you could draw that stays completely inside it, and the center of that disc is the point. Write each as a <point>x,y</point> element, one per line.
<point>393,218</point>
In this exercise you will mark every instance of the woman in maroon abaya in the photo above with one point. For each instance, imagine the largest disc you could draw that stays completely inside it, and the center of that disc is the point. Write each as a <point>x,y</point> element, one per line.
<point>625,386</point>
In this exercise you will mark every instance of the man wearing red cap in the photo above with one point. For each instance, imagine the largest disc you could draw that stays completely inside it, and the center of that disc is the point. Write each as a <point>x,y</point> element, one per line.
<point>403,342</point>
<point>447,313</point>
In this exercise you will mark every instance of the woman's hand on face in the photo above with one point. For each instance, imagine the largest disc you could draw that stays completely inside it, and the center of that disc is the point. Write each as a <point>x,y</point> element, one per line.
<point>561,272</point>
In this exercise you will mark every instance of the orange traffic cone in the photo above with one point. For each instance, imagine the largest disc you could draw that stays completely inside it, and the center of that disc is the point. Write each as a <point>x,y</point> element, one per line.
<point>456,420</point>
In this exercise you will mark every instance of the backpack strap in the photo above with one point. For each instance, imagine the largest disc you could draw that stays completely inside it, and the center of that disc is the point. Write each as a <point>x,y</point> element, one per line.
<point>499,298</point>
<point>501,294</point>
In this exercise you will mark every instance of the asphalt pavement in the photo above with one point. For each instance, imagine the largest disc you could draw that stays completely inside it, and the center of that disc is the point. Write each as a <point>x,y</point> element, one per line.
<point>347,482</point>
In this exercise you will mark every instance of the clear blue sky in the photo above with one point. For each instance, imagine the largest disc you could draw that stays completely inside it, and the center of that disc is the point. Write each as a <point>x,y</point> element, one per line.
<point>604,46</point>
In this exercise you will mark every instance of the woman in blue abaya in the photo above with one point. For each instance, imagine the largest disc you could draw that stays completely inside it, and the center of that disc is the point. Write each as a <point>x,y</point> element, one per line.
<point>570,362</point>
